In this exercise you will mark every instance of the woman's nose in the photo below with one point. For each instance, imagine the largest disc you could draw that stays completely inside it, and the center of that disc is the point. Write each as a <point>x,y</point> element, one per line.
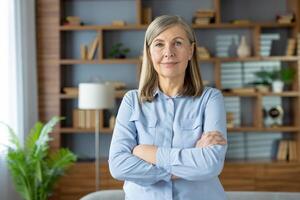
<point>169,51</point>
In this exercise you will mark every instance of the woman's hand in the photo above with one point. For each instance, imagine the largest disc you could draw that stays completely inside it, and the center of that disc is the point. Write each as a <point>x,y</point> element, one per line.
<point>145,152</point>
<point>211,138</point>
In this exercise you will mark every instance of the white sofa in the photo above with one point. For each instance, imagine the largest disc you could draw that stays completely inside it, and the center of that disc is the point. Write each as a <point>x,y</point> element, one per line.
<point>232,195</point>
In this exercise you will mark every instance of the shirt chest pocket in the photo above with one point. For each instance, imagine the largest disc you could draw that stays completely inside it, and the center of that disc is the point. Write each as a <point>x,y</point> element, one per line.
<point>191,131</point>
<point>146,129</point>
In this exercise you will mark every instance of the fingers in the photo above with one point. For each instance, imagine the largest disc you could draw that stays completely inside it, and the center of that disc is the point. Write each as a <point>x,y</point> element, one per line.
<point>211,138</point>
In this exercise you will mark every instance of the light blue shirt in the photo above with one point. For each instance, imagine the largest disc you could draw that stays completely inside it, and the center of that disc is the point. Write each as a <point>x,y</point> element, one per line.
<point>173,124</point>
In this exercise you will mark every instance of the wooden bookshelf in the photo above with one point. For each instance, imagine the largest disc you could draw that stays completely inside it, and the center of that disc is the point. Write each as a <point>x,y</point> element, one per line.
<point>258,175</point>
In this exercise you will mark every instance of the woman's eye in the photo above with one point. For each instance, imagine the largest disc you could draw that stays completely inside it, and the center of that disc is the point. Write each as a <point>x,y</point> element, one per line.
<point>178,43</point>
<point>158,44</point>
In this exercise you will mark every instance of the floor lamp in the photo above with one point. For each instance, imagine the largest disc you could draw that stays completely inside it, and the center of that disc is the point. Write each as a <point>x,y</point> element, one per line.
<point>96,96</point>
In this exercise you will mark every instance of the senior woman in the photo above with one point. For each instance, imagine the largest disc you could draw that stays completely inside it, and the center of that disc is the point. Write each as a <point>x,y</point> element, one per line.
<point>169,141</point>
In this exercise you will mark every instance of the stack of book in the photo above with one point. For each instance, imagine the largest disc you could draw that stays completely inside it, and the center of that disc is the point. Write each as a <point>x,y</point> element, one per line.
<point>203,16</point>
<point>73,91</point>
<point>266,40</point>
<point>203,53</point>
<point>291,47</point>
<point>85,118</point>
<point>287,150</point>
<point>240,21</point>
<point>243,90</point>
<point>73,21</point>
<point>285,18</point>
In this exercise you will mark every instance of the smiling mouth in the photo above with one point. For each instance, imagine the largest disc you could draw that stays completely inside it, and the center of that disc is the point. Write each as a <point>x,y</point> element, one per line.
<point>169,63</point>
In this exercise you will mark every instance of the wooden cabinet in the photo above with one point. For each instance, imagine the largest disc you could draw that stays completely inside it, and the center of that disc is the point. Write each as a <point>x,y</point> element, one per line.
<point>60,65</point>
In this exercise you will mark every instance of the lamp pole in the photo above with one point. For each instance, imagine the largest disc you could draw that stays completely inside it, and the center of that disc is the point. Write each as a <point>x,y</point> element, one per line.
<point>97,150</point>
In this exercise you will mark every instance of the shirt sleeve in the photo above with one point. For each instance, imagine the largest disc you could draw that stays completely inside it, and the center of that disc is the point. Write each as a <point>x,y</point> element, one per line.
<point>199,163</point>
<point>123,164</point>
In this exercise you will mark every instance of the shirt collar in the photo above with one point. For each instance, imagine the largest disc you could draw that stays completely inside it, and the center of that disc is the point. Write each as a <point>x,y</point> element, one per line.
<point>157,92</point>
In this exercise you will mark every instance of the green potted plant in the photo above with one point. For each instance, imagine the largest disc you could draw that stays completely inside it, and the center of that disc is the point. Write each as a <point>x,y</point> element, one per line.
<point>264,80</point>
<point>117,51</point>
<point>33,168</point>
<point>281,78</point>
<point>287,75</point>
<point>276,78</point>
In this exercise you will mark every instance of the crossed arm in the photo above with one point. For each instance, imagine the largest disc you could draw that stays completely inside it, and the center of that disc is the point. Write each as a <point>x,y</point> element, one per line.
<point>148,152</point>
<point>146,164</point>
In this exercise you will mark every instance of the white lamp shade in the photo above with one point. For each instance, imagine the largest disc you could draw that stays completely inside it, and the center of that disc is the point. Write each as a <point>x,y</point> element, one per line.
<point>96,96</point>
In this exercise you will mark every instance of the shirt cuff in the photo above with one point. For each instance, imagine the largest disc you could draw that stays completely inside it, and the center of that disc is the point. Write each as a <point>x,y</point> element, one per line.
<point>163,158</point>
<point>166,176</point>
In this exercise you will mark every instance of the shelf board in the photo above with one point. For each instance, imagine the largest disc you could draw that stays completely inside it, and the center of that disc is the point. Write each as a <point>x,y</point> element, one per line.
<point>260,162</point>
<point>102,27</point>
<point>90,162</point>
<point>103,61</point>
<point>240,94</point>
<point>252,58</point>
<point>103,160</point>
<point>256,94</point>
<point>247,25</point>
<point>280,58</point>
<point>265,129</point>
<point>274,24</point>
<point>213,59</point>
<point>118,94</point>
<point>195,26</point>
<point>282,94</point>
<point>72,130</point>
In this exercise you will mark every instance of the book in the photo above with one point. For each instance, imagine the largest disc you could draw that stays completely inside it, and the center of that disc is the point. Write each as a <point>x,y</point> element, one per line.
<point>83,52</point>
<point>291,47</point>
<point>244,90</point>
<point>292,150</point>
<point>81,118</point>
<point>201,21</point>
<point>204,13</point>
<point>75,118</point>
<point>71,90</point>
<point>241,21</point>
<point>88,118</point>
<point>118,23</point>
<point>92,48</point>
<point>282,152</point>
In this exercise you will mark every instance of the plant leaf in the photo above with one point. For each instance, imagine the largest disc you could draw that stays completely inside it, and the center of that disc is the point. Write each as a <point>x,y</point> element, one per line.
<point>13,138</point>
<point>33,137</point>
<point>42,142</point>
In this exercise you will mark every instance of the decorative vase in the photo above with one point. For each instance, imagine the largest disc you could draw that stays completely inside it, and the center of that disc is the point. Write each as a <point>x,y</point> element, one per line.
<point>277,86</point>
<point>243,49</point>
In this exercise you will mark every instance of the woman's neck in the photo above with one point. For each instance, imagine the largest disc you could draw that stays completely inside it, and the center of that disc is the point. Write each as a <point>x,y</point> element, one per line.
<point>170,87</point>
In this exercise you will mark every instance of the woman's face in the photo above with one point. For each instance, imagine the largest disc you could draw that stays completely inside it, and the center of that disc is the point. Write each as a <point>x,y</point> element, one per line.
<point>170,52</point>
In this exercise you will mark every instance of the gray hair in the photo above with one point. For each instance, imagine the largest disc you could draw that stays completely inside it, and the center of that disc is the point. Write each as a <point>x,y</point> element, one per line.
<point>193,85</point>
